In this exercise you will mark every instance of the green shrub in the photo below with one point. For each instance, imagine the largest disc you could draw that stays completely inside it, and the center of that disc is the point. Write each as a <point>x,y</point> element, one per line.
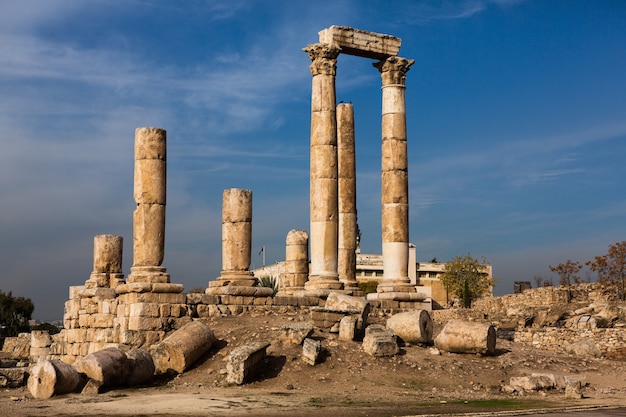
<point>269,282</point>
<point>368,286</point>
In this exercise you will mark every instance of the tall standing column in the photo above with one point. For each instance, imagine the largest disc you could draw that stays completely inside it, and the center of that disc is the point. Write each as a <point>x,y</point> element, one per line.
<point>347,196</point>
<point>323,170</point>
<point>395,184</point>
<point>149,216</point>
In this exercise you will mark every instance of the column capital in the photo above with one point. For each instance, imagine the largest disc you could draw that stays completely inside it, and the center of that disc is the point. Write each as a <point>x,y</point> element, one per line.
<point>323,58</point>
<point>393,69</point>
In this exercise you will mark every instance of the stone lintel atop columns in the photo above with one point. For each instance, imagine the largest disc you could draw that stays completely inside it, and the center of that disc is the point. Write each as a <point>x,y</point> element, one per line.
<point>360,42</point>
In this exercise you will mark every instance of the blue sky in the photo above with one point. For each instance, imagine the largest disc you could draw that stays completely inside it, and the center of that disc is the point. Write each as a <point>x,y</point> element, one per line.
<point>516,115</point>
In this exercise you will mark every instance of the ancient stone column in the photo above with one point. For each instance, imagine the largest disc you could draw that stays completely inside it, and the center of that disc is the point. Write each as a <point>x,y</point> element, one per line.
<point>107,262</point>
<point>149,216</point>
<point>323,171</point>
<point>346,262</point>
<point>395,185</point>
<point>296,263</point>
<point>236,238</point>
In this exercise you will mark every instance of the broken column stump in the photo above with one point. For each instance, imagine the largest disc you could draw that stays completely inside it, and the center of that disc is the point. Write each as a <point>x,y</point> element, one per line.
<point>244,362</point>
<point>178,351</point>
<point>48,378</point>
<point>412,326</point>
<point>459,336</point>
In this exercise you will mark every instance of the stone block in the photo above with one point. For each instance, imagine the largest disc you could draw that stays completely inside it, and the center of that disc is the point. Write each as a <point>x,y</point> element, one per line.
<point>102,320</point>
<point>108,307</point>
<point>40,339</point>
<point>294,333</point>
<point>311,350</point>
<point>85,320</point>
<point>57,349</point>
<point>342,302</point>
<point>71,308</point>
<point>38,352</point>
<point>347,328</point>
<point>161,287</point>
<point>144,323</point>
<point>75,291</point>
<point>235,309</point>
<point>360,42</point>
<point>245,361</point>
<point>178,310</point>
<point>379,341</point>
<point>14,377</point>
<point>75,335</point>
<point>144,310</point>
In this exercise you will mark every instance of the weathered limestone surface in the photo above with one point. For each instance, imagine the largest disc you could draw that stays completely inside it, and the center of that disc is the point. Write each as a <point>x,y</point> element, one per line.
<point>183,347</point>
<point>244,362</point>
<point>108,366</point>
<point>379,341</point>
<point>236,246</point>
<point>346,263</point>
<point>395,188</point>
<point>412,326</point>
<point>48,378</point>
<point>460,336</point>
<point>347,328</point>
<point>360,42</point>
<point>150,194</point>
<point>17,347</point>
<point>323,171</point>
<point>13,377</point>
<point>311,350</point>
<point>107,262</point>
<point>296,263</point>
<point>141,367</point>
<point>294,333</point>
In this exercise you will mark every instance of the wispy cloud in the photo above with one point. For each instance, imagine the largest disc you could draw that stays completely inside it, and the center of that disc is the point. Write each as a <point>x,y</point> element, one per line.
<point>420,13</point>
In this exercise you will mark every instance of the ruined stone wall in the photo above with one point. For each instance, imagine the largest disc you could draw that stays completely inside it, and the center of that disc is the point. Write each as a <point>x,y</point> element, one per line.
<point>542,297</point>
<point>509,313</point>
<point>97,318</point>
<point>611,342</point>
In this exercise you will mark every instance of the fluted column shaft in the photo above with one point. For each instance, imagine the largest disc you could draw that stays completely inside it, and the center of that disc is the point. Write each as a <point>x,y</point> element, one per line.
<point>395,189</point>
<point>347,196</point>
<point>323,169</point>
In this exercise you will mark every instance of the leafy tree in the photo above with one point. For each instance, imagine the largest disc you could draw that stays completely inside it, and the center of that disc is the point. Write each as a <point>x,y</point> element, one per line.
<point>611,267</point>
<point>465,278</point>
<point>50,328</point>
<point>15,312</point>
<point>567,272</point>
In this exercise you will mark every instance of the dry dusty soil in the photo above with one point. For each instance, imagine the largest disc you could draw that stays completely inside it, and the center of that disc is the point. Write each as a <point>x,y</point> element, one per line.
<point>346,382</point>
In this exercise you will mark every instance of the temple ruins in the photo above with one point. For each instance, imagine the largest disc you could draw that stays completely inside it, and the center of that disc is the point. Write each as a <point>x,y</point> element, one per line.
<point>111,311</point>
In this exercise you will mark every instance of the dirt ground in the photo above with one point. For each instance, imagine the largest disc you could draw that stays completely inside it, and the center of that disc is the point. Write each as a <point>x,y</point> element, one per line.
<point>346,382</point>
